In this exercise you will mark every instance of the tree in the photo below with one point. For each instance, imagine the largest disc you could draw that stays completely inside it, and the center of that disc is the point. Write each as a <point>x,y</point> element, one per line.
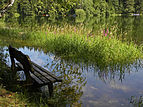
<point>62,8</point>
<point>88,6</point>
<point>129,6</point>
<point>25,7</point>
<point>138,6</point>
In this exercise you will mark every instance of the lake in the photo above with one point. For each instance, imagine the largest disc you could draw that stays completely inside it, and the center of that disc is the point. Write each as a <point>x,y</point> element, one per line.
<point>86,84</point>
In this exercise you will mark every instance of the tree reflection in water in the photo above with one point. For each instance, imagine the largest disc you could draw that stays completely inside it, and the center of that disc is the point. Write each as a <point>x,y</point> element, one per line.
<point>136,102</point>
<point>66,93</point>
<point>115,72</point>
<point>70,90</point>
<point>4,70</point>
<point>74,78</point>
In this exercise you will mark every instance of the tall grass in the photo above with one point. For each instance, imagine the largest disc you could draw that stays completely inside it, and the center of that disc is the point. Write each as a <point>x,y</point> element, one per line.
<point>79,44</point>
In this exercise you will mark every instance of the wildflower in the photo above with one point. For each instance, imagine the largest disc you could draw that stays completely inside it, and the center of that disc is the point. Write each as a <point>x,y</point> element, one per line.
<point>105,33</point>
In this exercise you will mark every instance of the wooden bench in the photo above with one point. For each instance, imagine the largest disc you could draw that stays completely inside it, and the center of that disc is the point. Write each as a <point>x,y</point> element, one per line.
<point>35,74</point>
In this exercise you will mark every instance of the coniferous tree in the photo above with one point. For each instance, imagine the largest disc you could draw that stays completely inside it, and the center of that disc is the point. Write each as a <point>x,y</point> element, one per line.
<point>141,7</point>
<point>129,6</point>
<point>116,5</point>
<point>25,7</point>
<point>137,6</point>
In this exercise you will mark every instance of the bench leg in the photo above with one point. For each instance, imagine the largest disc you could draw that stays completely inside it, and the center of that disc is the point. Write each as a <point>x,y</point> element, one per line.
<point>28,77</point>
<point>13,68</point>
<point>50,86</point>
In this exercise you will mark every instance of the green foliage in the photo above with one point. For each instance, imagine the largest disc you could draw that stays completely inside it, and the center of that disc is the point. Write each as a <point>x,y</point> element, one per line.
<point>116,6</point>
<point>25,7</point>
<point>80,13</point>
<point>137,102</point>
<point>88,7</point>
<point>81,43</point>
<point>75,42</point>
<point>3,3</point>
<point>138,6</point>
<point>62,8</point>
<point>103,7</point>
<point>103,51</point>
<point>128,6</point>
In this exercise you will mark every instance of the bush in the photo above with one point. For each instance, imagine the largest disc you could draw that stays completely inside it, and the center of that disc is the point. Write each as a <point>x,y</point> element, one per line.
<point>80,13</point>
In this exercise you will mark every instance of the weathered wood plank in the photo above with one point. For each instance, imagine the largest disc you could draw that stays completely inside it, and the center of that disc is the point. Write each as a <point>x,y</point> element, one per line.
<point>35,76</point>
<point>36,79</point>
<point>49,73</point>
<point>20,66</point>
<point>44,74</point>
<point>42,78</point>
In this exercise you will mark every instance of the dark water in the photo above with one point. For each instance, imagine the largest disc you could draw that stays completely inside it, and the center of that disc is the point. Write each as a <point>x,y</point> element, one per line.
<point>85,84</point>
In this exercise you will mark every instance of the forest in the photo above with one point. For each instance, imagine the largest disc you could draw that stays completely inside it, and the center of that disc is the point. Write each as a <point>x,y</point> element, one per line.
<point>63,8</point>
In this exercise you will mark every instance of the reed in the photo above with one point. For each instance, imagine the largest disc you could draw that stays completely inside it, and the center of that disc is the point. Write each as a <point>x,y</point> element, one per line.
<point>79,44</point>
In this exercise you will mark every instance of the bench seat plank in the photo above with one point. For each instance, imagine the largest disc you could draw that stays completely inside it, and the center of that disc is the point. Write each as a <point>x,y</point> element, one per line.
<point>32,75</point>
<point>36,79</point>
<point>49,73</point>
<point>44,80</point>
<point>38,75</point>
<point>45,75</point>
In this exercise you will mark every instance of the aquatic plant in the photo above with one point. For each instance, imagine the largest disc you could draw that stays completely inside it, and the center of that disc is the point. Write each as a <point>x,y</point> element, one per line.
<point>105,33</point>
<point>79,44</point>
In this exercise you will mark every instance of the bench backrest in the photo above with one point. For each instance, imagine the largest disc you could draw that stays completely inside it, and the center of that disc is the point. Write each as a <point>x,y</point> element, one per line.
<point>20,57</point>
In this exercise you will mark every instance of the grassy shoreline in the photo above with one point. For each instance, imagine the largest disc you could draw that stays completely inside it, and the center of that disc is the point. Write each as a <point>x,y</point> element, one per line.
<point>77,44</point>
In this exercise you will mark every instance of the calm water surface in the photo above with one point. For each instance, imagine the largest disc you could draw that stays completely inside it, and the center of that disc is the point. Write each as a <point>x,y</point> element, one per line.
<point>101,89</point>
<point>88,86</point>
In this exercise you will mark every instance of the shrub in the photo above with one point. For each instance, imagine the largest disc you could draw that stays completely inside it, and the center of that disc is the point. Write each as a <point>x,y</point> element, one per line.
<point>80,13</point>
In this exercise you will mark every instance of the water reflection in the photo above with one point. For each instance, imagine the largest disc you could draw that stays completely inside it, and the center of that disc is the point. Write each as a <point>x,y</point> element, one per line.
<point>5,74</point>
<point>125,28</point>
<point>137,102</point>
<point>69,91</point>
<point>86,84</point>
